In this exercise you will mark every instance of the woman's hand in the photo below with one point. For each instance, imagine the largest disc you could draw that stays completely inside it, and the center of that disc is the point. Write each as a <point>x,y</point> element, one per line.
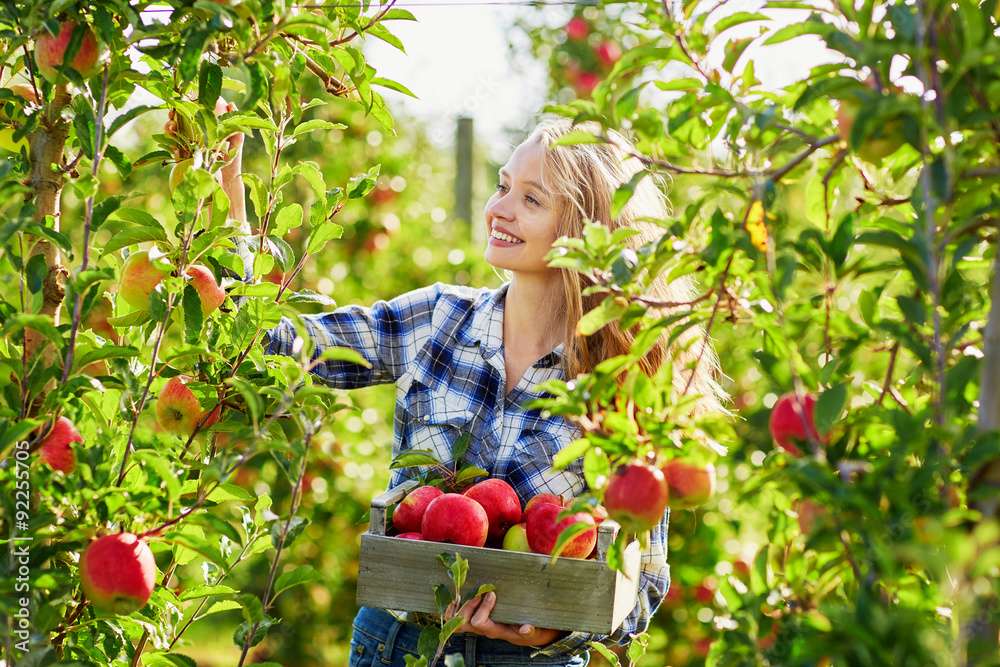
<point>476,613</point>
<point>232,170</point>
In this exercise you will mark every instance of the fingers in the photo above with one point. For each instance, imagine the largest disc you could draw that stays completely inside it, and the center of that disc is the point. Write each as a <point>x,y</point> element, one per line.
<point>481,619</point>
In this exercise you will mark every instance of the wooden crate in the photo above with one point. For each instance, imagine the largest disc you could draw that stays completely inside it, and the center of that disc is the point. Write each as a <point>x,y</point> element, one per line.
<point>570,594</point>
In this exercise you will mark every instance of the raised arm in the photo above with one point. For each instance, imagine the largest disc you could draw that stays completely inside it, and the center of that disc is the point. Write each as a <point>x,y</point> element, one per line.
<point>387,334</point>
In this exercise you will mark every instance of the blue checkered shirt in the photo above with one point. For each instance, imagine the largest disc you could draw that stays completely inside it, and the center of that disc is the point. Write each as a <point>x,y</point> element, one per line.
<point>442,346</point>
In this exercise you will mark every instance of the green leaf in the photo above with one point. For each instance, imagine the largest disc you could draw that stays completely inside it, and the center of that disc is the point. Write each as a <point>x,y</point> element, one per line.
<point>829,406</point>
<point>206,591</point>
<point>393,85</point>
<point>596,319</point>
<point>596,468</point>
<point>209,85</point>
<point>469,473</point>
<point>566,536</point>
<point>738,18</point>
<point>316,124</point>
<point>321,235</point>
<point>343,354</point>
<point>574,137</point>
<point>683,83</point>
<point>191,303</point>
<point>164,471</point>
<point>605,653</point>
<point>414,457</point>
<point>570,453</point>
<point>624,193</point>
<point>300,575</point>
<point>461,446</point>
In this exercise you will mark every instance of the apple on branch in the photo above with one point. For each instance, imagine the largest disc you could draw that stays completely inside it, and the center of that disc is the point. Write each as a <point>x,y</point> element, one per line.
<point>139,278</point>
<point>55,448</point>
<point>690,484</point>
<point>636,497</point>
<point>178,409</point>
<point>209,292</point>
<point>792,422</point>
<point>50,51</point>
<point>118,573</point>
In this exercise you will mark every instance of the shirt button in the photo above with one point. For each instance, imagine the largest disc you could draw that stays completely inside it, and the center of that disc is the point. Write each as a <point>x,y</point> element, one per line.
<point>427,418</point>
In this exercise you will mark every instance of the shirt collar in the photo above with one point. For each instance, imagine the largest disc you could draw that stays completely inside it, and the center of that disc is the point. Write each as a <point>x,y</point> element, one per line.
<point>486,327</point>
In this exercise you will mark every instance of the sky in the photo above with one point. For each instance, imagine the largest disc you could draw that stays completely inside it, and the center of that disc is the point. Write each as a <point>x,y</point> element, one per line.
<point>458,63</point>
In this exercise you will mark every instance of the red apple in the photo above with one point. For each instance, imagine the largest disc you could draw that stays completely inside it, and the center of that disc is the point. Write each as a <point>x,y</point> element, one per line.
<point>455,519</point>
<point>543,528</point>
<point>516,538</point>
<point>409,514</point>
<point>585,83</point>
<point>577,28</point>
<point>608,53</point>
<point>790,426</point>
<point>55,449</point>
<point>97,319</point>
<point>208,289</point>
<point>501,503</point>
<point>25,92</point>
<point>704,593</point>
<point>636,496</point>
<point>177,408</point>
<point>382,194</point>
<point>276,276</point>
<point>117,573</point>
<point>410,536</point>
<point>138,280</point>
<point>675,594</point>
<point>543,498</point>
<point>50,51</point>
<point>690,484</point>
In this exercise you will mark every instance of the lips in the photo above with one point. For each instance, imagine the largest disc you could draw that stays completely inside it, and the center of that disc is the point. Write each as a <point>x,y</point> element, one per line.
<point>507,232</point>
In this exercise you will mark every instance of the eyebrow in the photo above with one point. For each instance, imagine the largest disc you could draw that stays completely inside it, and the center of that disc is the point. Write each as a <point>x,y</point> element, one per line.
<point>534,183</point>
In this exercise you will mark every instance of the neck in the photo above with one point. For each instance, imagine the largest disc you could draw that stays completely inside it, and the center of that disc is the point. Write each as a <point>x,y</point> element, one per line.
<point>533,313</point>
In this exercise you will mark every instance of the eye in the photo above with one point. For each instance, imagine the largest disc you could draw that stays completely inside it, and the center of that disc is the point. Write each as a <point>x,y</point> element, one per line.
<point>500,187</point>
<point>533,200</point>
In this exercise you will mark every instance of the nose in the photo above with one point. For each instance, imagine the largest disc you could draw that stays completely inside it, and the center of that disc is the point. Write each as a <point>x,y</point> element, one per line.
<point>497,207</point>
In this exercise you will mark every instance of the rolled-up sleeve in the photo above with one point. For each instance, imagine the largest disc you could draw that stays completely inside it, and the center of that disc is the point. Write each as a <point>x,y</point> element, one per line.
<point>654,580</point>
<point>385,334</point>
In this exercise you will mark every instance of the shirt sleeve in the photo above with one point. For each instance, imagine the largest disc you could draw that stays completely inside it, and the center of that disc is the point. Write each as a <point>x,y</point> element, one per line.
<point>385,334</point>
<point>654,580</point>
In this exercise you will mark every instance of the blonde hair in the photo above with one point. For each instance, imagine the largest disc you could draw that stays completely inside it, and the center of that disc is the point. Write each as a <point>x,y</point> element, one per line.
<point>583,179</point>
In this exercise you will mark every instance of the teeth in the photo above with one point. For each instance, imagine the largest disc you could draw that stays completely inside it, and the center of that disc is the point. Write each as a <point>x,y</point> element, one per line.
<point>505,237</point>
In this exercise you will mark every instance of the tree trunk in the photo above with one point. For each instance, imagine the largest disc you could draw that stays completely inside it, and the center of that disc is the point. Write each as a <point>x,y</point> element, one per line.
<point>46,148</point>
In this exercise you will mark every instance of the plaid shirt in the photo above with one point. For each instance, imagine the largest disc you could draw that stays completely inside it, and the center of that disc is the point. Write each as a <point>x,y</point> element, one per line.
<point>442,346</point>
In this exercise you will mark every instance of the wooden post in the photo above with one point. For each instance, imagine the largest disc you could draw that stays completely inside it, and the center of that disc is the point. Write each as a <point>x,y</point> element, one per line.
<point>463,169</point>
<point>989,397</point>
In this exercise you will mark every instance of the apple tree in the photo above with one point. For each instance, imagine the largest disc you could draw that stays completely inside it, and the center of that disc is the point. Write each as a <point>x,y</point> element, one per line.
<point>843,228</point>
<point>133,305</point>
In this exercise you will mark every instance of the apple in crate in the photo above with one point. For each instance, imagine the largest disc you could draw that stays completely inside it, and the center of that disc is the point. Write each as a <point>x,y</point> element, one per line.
<point>516,539</point>
<point>409,514</point>
<point>543,528</point>
<point>501,503</point>
<point>455,519</point>
<point>543,498</point>
<point>410,536</point>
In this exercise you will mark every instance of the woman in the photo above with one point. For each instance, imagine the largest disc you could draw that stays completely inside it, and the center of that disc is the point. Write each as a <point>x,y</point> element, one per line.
<point>467,359</point>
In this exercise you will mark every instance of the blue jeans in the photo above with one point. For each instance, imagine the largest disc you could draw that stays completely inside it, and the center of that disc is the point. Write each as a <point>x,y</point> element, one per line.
<point>380,640</point>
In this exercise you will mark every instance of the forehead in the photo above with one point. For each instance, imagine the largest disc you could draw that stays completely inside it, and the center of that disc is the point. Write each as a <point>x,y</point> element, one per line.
<point>525,163</point>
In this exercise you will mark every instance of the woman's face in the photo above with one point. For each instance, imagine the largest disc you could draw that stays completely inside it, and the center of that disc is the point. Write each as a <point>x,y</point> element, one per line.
<point>522,209</point>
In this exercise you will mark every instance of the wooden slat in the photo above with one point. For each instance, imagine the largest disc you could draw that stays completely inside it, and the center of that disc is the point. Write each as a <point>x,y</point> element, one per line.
<point>571,594</point>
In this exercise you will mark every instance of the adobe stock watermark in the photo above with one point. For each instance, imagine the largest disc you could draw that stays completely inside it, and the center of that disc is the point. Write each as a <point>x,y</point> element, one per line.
<point>20,553</point>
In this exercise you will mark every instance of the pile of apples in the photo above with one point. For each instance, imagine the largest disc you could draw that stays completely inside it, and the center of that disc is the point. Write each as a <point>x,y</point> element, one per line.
<point>490,512</point>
